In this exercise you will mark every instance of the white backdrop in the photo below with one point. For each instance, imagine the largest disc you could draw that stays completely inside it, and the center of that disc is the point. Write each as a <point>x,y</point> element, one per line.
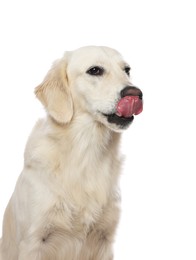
<point>158,38</point>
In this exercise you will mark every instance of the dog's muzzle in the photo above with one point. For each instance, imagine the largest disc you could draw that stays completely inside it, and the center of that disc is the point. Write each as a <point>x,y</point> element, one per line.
<point>130,104</point>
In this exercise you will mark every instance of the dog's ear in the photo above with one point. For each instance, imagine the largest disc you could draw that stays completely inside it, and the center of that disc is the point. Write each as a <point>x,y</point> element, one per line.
<point>54,92</point>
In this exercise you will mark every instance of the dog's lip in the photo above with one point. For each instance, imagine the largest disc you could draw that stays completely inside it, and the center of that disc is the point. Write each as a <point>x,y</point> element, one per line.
<point>118,116</point>
<point>119,120</point>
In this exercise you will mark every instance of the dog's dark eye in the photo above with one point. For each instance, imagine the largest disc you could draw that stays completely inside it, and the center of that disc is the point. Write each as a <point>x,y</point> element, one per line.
<point>95,71</point>
<point>127,70</point>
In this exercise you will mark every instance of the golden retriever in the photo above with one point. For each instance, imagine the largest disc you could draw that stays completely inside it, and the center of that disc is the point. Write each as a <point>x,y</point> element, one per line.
<point>66,202</point>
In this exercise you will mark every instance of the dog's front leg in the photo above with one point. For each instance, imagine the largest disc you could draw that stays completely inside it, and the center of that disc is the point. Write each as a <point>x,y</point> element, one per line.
<point>57,245</point>
<point>99,240</point>
<point>97,247</point>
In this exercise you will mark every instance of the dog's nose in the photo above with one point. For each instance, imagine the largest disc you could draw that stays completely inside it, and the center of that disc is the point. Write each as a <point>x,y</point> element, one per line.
<point>131,91</point>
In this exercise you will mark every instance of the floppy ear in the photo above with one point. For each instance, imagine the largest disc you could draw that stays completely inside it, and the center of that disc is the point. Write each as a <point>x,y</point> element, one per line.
<point>54,93</point>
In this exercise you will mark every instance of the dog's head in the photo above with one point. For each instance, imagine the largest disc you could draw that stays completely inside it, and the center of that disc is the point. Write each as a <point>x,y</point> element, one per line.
<point>93,80</point>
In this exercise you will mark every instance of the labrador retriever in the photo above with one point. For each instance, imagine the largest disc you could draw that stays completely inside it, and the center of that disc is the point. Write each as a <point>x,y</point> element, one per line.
<point>66,202</point>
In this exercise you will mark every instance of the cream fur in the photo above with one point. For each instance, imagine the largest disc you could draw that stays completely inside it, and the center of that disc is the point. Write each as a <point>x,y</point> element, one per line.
<point>66,202</point>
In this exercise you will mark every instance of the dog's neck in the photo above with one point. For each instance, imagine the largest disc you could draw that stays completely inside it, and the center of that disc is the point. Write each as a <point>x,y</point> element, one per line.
<point>84,128</point>
<point>87,138</point>
<point>82,155</point>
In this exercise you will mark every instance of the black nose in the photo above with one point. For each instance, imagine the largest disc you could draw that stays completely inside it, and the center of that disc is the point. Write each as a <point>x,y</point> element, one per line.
<point>131,91</point>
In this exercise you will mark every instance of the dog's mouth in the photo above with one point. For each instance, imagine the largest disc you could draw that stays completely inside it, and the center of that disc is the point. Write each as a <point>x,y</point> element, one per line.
<point>126,108</point>
<point>122,122</point>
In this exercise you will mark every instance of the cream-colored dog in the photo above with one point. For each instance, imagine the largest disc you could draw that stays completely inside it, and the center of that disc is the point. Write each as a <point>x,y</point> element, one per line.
<point>66,203</point>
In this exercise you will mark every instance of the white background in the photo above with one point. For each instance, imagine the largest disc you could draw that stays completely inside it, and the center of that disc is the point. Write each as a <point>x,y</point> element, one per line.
<point>158,38</point>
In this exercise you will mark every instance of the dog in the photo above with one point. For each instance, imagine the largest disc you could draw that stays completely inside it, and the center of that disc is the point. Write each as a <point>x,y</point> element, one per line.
<point>66,201</point>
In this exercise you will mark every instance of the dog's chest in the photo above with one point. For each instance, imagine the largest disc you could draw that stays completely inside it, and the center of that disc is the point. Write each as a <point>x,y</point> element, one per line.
<point>79,209</point>
<point>86,176</point>
<point>85,191</point>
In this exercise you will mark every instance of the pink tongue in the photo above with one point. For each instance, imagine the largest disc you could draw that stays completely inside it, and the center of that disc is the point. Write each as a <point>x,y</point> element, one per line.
<point>129,105</point>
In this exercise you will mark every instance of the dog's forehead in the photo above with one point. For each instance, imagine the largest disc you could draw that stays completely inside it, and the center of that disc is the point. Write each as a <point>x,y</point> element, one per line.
<point>93,55</point>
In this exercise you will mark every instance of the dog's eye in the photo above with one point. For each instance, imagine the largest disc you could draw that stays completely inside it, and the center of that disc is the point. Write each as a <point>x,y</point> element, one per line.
<point>127,70</point>
<point>95,71</point>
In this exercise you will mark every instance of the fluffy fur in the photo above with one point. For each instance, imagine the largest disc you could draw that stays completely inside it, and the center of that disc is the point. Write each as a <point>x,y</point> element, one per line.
<point>66,202</point>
